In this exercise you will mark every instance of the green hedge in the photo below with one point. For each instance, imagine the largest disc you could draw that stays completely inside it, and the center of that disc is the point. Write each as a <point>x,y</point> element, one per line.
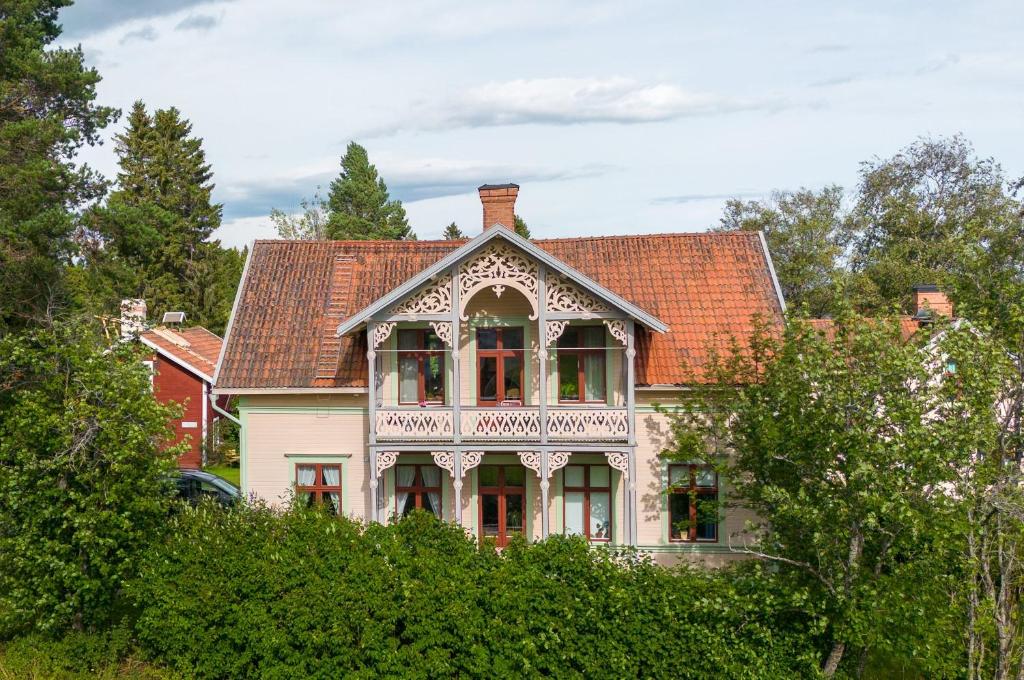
<point>250,592</point>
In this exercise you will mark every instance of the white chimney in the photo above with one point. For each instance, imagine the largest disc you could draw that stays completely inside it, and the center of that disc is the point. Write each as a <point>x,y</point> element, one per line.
<point>133,317</point>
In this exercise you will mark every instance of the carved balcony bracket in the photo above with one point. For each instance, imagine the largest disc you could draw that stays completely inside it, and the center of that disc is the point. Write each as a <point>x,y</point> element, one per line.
<point>563,296</point>
<point>553,331</point>
<point>557,460</point>
<point>531,459</point>
<point>381,333</point>
<point>498,267</point>
<point>385,460</point>
<point>617,328</point>
<point>443,329</point>
<point>619,460</point>
<point>471,459</point>
<point>444,460</point>
<point>434,298</point>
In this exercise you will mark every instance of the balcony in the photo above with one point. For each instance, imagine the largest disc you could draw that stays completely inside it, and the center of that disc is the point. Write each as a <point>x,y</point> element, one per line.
<point>513,424</point>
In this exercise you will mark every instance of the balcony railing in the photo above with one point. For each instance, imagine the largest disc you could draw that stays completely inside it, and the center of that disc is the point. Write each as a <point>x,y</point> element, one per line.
<point>502,424</point>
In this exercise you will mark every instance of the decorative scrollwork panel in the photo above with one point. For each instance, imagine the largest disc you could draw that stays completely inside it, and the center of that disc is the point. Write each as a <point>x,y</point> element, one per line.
<point>499,266</point>
<point>434,298</point>
<point>563,296</point>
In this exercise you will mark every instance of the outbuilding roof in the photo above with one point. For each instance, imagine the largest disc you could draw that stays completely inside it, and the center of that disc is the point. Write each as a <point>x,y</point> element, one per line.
<point>195,349</point>
<point>707,288</point>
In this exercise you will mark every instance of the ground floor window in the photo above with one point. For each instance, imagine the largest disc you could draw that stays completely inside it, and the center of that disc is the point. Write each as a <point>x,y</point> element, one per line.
<point>318,483</point>
<point>693,503</point>
<point>417,487</point>
<point>502,490</point>
<point>587,496</point>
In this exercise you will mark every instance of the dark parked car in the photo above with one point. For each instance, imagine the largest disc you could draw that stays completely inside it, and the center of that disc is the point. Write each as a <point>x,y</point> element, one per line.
<point>194,485</point>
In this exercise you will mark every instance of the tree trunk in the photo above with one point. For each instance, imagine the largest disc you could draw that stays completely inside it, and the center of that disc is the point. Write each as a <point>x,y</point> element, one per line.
<point>834,657</point>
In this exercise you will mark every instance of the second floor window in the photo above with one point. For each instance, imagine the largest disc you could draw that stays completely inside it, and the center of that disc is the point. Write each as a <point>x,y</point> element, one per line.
<point>581,377</point>
<point>499,356</point>
<point>420,367</point>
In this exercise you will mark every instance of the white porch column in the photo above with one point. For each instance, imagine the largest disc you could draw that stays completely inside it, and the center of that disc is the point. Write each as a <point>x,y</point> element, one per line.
<point>457,462</point>
<point>620,460</point>
<point>542,358</point>
<point>631,416</point>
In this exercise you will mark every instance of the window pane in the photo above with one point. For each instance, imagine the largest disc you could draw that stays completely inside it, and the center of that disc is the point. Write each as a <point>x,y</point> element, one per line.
<point>600,475</point>
<point>514,475</point>
<point>332,475</point>
<point>409,505</point>
<point>331,502</point>
<point>307,499</point>
<point>434,342</point>
<point>488,475</point>
<point>305,475</point>
<point>433,378</point>
<point>707,517</point>
<point>592,336</point>
<point>513,514</point>
<point>569,338</point>
<point>513,378</point>
<point>409,339</point>
<point>512,338</point>
<point>568,376</point>
<point>600,515</point>
<point>489,510</point>
<point>679,515</point>
<point>487,338</point>
<point>705,476</point>
<point>488,378</point>
<point>574,475</point>
<point>679,475</point>
<point>593,377</point>
<point>574,512</point>
<point>408,380</point>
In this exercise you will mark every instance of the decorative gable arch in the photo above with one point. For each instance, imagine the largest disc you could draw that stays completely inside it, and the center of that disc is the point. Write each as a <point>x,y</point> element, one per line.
<point>499,266</point>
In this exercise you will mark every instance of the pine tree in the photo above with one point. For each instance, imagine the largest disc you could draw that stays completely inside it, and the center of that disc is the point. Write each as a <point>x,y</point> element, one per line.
<point>452,232</point>
<point>521,228</point>
<point>47,113</point>
<point>361,208</point>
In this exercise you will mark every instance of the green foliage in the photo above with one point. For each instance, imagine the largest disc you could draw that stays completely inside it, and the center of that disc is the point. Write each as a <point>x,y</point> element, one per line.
<point>248,592</point>
<point>361,208</point>
<point>82,477</point>
<point>48,113</point>
<point>520,227</point>
<point>76,656</point>
<point>839,444</point>
<point>804,232</point>
<point>310,225</point>
<point>452,232</point>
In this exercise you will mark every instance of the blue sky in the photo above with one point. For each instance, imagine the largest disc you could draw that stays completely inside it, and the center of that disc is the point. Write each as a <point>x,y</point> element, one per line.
<point>626,117</point>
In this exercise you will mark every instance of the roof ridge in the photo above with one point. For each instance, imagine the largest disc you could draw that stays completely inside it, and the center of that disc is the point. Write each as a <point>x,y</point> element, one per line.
<point>458,242</point>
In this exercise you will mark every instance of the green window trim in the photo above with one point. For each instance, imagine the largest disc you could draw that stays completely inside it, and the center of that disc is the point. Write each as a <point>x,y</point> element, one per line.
<point>687,546</point>
<point>342,459</point>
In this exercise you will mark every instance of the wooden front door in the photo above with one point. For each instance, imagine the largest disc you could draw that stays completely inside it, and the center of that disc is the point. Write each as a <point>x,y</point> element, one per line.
<point>502,492</point>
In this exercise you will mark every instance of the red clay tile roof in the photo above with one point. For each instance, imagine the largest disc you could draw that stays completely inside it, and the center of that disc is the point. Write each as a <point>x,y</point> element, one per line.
<point>195,346</point>
<point>706,287</point>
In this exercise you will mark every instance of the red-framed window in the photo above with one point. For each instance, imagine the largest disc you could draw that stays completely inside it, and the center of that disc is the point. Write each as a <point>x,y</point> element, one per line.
<point>502,492</point>
<point>499,366</point>
<point>693,503</point>
<point>417,487</point>
<point>587,501</point>
<point>581,365</point>
<point>420,367</point>
<point>319,484</point>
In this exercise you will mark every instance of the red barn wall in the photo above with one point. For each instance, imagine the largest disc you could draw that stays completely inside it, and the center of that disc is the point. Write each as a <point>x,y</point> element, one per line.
<point>173,383</point>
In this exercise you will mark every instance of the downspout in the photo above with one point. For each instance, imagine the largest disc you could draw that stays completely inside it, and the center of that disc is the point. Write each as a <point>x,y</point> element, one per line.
<point>218,409</point>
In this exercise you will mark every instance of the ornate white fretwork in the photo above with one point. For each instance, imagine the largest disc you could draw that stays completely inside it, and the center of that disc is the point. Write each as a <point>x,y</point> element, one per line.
<point>563,296</point>
<point>531,459</point>
<point>619,460</point>
<point>554,331</point>
<point>505,424</point>
<point>557,460</point>
<point>443,329</point>
<point>414,424</point>
<point>381,333</point>
<point>617,327</point>
<point>498,266</point>
<point>597,423</point>
<point>444,460</point>
<point>385,459</point>
<point>470,459</point>
<point>434,298</point>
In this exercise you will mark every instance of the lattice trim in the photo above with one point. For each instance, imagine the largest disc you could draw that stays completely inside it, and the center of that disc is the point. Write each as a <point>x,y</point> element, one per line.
<point>563,296</point>
<point>435,298</point>
<point>554,331</point>
<point>443,329</point>
<point>617,328</point>
<point>382,332</point>
<point>499,266</point>
<point>413,424</point>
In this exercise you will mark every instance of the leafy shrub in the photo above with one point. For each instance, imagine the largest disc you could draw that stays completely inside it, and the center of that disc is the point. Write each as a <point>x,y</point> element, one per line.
<point>76,656</point>
<point>250,592</point>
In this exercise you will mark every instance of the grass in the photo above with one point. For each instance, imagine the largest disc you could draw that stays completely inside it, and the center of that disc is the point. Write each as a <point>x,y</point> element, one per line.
<point>42,659</point>
<point>232,473</point>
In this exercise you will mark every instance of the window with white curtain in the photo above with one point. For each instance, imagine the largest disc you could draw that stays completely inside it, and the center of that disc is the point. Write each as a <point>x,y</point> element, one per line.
<point>587,498</point>
<point>417,487</point>
<point>319,484</point>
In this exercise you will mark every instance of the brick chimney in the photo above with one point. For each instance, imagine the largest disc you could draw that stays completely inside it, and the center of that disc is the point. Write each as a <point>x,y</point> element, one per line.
<point>499,204</point>
<point>929,300</point>
<point>133,317</point>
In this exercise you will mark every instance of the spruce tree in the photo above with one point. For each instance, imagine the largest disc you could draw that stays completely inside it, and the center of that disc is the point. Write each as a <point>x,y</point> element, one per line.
<point>361,208</point>
<point>47,113</point>
<point>452,232</point>
<point>521,228</point>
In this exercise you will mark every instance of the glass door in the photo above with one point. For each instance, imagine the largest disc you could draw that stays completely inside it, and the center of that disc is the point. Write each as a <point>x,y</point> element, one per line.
<point>499,366</point>
<point>502,491</point>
